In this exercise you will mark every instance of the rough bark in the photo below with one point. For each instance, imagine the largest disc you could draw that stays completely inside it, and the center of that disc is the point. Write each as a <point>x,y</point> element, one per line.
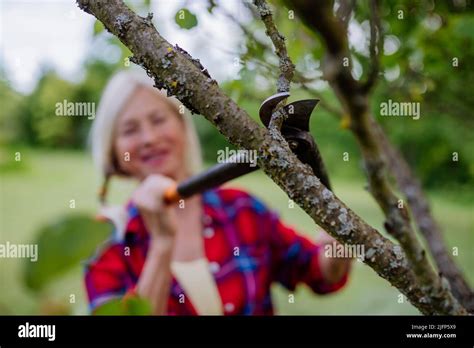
<point>184,78</point>
<point>354,97</point>
<point>287,67</point>
<point>429,228</point>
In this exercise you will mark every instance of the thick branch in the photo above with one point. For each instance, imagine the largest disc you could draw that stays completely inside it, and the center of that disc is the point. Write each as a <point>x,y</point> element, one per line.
<point>176,72</point>
<point>355,100</point>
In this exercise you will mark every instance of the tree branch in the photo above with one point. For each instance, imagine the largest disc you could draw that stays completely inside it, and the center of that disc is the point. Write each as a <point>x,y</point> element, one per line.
<point>375,46</point>
<point>287,67</point>
<point>413,192</point>
<point>321,19</point>
<point>180,75</point>
<point>426,223</point>
<point>345,10</point>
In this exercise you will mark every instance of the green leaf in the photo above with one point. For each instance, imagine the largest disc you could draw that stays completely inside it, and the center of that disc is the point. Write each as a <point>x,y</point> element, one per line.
<point>137,306</point>
<point>98,28</point>
<point>133,305</point>
<point>63,245</point>
<point>112,307</point>
<point>185,19</point>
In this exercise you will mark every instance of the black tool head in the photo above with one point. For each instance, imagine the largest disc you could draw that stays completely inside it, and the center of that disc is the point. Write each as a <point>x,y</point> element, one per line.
<point>295,129</point>
<point>269,104</point>
<point>299,112</point>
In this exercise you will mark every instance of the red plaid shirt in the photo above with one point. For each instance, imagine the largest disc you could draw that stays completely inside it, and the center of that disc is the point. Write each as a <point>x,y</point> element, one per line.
<point>246,244</point>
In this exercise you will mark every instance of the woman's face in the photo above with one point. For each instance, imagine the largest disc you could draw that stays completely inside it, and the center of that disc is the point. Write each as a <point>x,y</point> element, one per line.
<point>150,137</point>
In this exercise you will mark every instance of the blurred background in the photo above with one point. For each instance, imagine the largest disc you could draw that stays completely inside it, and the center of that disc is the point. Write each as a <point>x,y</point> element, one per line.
<point>51,51</point>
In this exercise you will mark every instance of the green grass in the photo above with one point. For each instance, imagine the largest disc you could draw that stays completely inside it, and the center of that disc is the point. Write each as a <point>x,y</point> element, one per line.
<point>41,189</point>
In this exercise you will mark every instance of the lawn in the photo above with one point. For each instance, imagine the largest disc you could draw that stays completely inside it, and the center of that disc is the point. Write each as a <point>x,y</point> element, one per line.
<point>42,188</point>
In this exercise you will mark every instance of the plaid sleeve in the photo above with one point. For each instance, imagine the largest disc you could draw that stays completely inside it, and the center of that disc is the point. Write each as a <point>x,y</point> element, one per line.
<point>107,276</point>
<point>295,259</point>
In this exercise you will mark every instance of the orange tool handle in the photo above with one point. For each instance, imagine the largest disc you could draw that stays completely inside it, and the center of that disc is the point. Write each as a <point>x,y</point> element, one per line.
<point>171,194</point>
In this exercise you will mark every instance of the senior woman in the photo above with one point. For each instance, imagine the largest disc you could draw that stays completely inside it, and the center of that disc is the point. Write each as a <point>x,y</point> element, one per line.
<point>215,253</point>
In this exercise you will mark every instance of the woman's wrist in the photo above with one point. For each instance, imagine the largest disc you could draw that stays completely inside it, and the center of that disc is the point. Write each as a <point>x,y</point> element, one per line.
<point>162,244</point>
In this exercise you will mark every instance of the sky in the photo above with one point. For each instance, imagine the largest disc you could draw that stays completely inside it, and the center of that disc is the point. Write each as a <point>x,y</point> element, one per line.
<point>35,34</point>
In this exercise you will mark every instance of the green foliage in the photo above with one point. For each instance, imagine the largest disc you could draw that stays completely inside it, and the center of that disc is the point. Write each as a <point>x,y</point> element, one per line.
<point>436,44</point>
<point>62,244</point>
<point>132,305</point>
<point>9,123</point>
<point>185,19</point>
<point>98,27</point>
<point>32,119</point>
<point>48,128</point>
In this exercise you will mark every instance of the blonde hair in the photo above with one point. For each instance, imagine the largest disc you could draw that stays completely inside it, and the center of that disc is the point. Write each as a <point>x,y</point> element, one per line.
<point>101,138</point>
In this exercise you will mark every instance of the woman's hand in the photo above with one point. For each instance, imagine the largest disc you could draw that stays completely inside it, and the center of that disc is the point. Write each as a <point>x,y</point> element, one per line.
<point>161,221</point>
<point>332,268</point>
<point>159,218</point>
